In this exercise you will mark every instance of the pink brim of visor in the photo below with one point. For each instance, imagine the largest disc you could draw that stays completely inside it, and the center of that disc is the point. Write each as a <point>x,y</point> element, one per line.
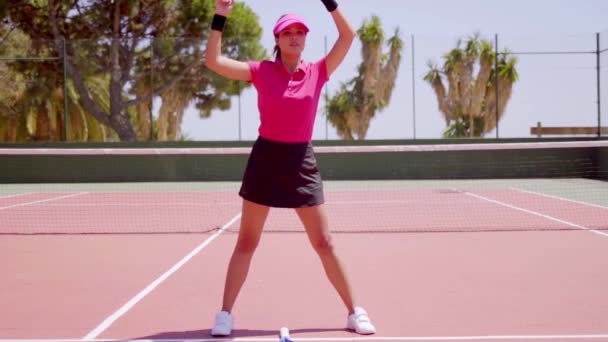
<point>288,20</point>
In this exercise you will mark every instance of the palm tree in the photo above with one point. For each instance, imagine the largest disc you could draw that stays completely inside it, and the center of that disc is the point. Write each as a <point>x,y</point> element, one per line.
<point>82,125</point>
<point>33,102</point>
<point>44,109</point>
<point>174,104</point>
<point>14,86</point>
<point>351,109</point>
<point>472,105</point>
<point>12,124</point>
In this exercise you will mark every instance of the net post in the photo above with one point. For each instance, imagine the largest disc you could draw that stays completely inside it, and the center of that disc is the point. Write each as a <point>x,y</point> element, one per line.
<point>240,112</point>
<point>496,80</point>
<point>413,87</point>
<point>326,93</point>
<point>151,89</point>
<point>65,89</point>
<point>599,94</point>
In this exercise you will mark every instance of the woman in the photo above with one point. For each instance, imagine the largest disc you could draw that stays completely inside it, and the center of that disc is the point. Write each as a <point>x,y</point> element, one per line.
<point>282,170</point>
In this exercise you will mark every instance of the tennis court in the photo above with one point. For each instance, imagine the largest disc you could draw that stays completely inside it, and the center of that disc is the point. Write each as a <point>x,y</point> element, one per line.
<point>466,258</point>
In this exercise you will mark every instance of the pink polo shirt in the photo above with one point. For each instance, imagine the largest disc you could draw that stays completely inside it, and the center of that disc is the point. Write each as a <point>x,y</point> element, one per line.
<point>288,102</point>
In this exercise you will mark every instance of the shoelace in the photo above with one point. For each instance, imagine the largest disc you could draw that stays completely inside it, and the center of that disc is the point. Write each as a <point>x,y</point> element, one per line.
<point>362,318</point>
<point>223,321</point>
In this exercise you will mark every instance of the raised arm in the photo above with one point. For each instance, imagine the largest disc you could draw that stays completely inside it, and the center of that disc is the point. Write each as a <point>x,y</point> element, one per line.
<point>214,60</point>
<point>345,39</point>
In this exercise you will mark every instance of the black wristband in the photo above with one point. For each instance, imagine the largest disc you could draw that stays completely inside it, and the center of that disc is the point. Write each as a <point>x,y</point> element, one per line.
<point>218,22</point>
<point>331,5</point>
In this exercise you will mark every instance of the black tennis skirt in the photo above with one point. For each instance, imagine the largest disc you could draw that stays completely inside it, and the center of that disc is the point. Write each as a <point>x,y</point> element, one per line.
<point>282,175</point>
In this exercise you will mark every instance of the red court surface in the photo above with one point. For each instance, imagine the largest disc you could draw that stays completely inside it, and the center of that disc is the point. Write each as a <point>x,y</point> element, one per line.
<point>453,286</point>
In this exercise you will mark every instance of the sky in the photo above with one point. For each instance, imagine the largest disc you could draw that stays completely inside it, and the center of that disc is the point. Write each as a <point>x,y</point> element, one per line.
<point>552,89</point>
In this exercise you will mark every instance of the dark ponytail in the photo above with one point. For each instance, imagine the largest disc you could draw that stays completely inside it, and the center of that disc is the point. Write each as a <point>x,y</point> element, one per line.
<point>277,52</point>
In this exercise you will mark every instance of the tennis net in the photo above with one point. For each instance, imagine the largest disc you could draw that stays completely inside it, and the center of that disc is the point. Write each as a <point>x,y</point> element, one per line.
<point>368,189</point>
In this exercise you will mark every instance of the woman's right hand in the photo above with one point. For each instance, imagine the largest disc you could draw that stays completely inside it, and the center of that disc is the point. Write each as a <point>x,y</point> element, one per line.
<point>223,7</point>
<point>214,60</point>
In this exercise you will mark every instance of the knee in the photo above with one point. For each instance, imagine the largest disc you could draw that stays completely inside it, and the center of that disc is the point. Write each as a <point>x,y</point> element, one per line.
<point>323,245</point>
<point>246,245</point>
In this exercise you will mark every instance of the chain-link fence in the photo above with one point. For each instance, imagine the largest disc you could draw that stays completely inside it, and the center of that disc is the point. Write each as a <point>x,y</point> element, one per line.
<point>159,89</point>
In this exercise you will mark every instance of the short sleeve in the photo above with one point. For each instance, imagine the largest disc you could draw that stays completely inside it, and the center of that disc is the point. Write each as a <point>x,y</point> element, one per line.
<point>254,68</point>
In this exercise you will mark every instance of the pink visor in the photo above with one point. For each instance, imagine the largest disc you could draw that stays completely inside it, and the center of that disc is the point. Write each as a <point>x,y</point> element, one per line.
<point>287,20</point>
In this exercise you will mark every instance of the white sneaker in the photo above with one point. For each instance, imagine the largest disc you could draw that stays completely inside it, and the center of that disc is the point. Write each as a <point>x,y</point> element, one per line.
<point>223,324</point>
<point>360,322</point>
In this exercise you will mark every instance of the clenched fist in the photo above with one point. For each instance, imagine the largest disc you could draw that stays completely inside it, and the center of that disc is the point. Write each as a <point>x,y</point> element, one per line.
<point>224,7</point>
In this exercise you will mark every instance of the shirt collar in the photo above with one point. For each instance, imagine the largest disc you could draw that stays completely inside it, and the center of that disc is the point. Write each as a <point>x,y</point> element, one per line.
<point>283,69</point>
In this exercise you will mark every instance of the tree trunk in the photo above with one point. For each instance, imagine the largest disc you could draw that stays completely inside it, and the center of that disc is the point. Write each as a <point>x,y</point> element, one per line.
<point>12,129</point>
<point>144,124</point>
<point>123,128</point>
<point>480,87</point>
<point>388,75</point>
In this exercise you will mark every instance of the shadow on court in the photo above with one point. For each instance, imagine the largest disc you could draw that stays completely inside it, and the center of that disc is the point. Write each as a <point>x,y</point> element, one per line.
<point>206,333</point>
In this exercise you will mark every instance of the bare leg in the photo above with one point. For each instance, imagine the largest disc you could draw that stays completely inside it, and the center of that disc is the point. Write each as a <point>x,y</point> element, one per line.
<point>315,223</point>
<point>252,223</point>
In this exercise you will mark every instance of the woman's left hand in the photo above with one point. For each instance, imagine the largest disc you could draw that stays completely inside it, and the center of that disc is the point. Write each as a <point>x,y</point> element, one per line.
<point>224,7</point>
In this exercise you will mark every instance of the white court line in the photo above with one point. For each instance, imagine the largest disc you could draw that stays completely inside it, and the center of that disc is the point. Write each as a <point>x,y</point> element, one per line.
<point>44,200</point>
<point>362,338</point>
<point>126,307</point>
<point>560,198</point>
<point>16,195</point>
<point>206,204</point>
<point>535,213</point>
<point>143,204</point>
